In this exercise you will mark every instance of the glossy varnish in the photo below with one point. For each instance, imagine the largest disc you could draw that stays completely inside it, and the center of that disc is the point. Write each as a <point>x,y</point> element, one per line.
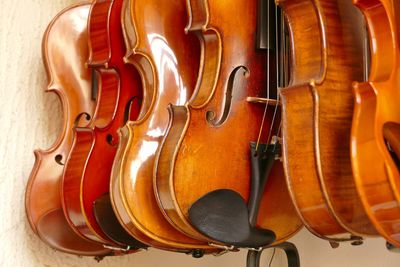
<point>88,169</point>
<point>167,59</point>
<point>333,111</point>
<point>376,118</point>
<point>207,146</point>
<point>65,53</point>
<point>318,98</point>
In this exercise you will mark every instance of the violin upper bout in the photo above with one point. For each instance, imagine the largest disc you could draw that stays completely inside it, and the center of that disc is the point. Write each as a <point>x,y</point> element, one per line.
<point>98,32</point>
<point>381,38</point>
<point>128,30</point>
<point>198,15</point>
<point>147,74</point>
<point>210,66</point>
<point>304,27</point>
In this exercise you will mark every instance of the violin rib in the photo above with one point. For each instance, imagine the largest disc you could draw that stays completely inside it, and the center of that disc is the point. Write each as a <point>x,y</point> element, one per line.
<point>207,142</point>
<point>64,53</point>
<point>88,168</point>
<point>315,107</point>
<point>297,119</point>
<point>167,60</point>
<point>333,111</point>
<point>375,170</point>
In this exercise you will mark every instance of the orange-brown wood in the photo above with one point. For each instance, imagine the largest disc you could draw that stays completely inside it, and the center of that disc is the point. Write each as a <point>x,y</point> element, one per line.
<point>65,53</point>
<point>88,168</point>
<point>376,118</point>
<point>333,111</point>
<point>207,144</point>
<point>167,60</point>
<point>315,111</point>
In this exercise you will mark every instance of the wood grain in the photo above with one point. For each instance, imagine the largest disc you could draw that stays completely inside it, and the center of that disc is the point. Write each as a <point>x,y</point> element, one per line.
<point>71,81</point>
<point>207,144</point>
<point>29,119</point>
<point>316,118</point>
<point>167,60</point>
<point>88,168</point>
<point>376,114</point>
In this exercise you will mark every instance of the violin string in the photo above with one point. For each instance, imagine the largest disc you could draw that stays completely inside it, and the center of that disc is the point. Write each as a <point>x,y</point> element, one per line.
<point>285,51</point>
<point>277,76</point>
<point>266,104</point>
<point>262,125</point>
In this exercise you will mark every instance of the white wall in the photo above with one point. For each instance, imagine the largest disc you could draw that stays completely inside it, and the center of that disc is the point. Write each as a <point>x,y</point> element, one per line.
<point>30,119</point>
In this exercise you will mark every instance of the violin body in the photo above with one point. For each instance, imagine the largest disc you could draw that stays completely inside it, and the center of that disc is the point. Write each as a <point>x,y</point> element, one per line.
<point>167,60</point>
<point>88,169</point>
<point>207,142</point>
<point>376,120</point>
<point>315,109</point>
<point>333,115</point>
<point>65,53</point>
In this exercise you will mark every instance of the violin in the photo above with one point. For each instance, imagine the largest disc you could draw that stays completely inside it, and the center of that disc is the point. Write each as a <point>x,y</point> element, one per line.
<point>167,59</point>
<point>207,145</point>
<point>375,134</point>
<point>64,52</point>
<point>333,122</point>
<point>316,111</point>
<point>88,168</point>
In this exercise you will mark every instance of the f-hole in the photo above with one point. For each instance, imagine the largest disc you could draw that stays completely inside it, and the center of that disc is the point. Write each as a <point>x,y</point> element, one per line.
<point>111,140</point>
<point>80,115</point>
<point>58,158</point>
<point>128,108</point>
<point>210,115</point>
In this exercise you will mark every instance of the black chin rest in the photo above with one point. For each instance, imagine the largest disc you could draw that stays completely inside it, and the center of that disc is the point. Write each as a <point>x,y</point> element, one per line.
<point>110,225</point>
<point>223,215</point>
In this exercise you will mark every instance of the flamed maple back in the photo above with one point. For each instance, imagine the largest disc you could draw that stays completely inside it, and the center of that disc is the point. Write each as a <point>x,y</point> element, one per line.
<point>333,111</point>
<point>308,112</point>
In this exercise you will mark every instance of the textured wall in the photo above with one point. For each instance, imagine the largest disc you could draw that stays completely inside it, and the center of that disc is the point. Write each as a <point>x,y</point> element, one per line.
<point>30,119</point>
